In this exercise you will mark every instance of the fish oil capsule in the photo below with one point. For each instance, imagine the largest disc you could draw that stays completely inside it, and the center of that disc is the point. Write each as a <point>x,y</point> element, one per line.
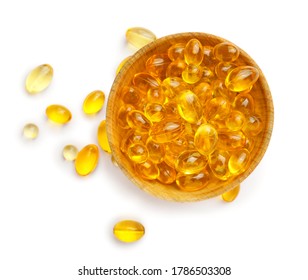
<point>171,86</point>
<point>102,137</point>
<point>167,130</point>
<point>222,69</point>
<point>58,114</point>
<point>156,95</point>
<point>203,91</point>
<point>253,125</point>
<point>189,107</point>
<point>190,162</point>
<point>235,120</point>
<point>207,74</point>
<point>171,110</point>
<point>155,112</point>
<point>217,108</point>
<point>241,78</point>
<point>238,162</point>
<point>192,182</point>
<point>131,95</point>
<point>244,102</point>
<point>178,145</point>
<point>39,78</point>
<point>122,63</point>
<point>206,138</point>
<point>218,163</point>
<point>138,153</point>
<point>139,37</point>
<point>226,52</point>
<point>132,137</point>
<point>193,52</point>
<point>230,140</point>
<point>175,68</point>
<point>249,144</point>
<point>122,115</point>
<point>157,65</point>
<point>147,170</point>
<point>231,195</point>
<point>167,174</point>
<point>144,81</point>
<point>94,102</point>
<point>192,74</point>
<point>176,51</point>
<point>156,151</point>
<point>86,160</point>
<point>128,231</point>
<point>137,120</point>
<point>209,60</point>
<point>70,152</point>
<point>30,131</point>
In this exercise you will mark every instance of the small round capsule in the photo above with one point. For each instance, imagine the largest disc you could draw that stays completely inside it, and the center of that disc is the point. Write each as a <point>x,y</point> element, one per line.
<point>131,95</point>
<point>156,151</point>
<point>30,131</point>
<point>144,81</point>
<point>238,161</point>
<point>226,52</point>
<point>167,174</point>
<point>235,120</point>
<point>231,195</point>
<point>122,115</point>
<point>155,112</point>
<point>242,78</point>
<point>206,138</point>
<point>192,74</point>
<point>222,69</point>
<point>189,107</point>
<point>190,162</point>
<point>230,140</point>
<point>175,68</point>
<point>94,102</point>
<point>167,130</point>
<point>102,137</point>
<point>128,231</point>
<point>39,78</point>
<point>156,95</point>
<point>138,153</point>
<point>253,125</point>
<point>139,37</point>
<point>157,65</point>
<point>244,102</point>
<point>218,163</point>
<point>176,51</point>
<point>204,92</point>
<point>209,60</point>
<point>192,182</point>
<point>69,152</point>
<point>86,160</point>
<point>171,86</point>
<point>137,120</point>
<point>58,114</point>
<point>193,52</point>
<point>217,108</point>
<point>147,170</point>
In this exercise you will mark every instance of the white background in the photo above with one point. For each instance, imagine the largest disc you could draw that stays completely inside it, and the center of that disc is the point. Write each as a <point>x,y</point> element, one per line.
<point>54,222</point>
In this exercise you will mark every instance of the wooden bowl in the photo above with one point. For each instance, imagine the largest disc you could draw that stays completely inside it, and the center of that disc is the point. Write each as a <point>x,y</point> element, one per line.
<point>155,188</point>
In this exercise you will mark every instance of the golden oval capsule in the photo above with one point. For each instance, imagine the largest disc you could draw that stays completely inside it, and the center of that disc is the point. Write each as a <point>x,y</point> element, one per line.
<point>176,51</point>
<point>147,170</point>
<point>206,138</point>
<point>86,160</point>
<point>155,112</point>
<point>122,63</point>
<point>128,231</point>
<point>244,102</point>
<point>171,86</point>
<point>156,151</point>
<point>31,131</point>
<point>70,152</point>
<point>58,114</point>
<point>192,182</point>
<point>192,74</point>
<point>178,145</point>
<point>253,125</point>
<point>39,78</point>
<point>157,65</point>
<point>230,140</point>
<point>102,137</point>
<point>132,137</point>
<point>241,78</point>
<point>238,162</point>
<point>94,102</point>
<point>231,195</point>
<point>156,95</point>
<point>131,95</point>
<point>189,106</point>
<point>144,81</point>
<point>139,36</point>
<point>137,120</point>
<point>167,130</point>
<point>222,69</point>
<point>193,52</point>
<point>122,115</point>
<point>218,163</point>
<point>167,174</point>
<point>190,162</point>
<point>176,68</point>
<point>203,91</point>
<point>235,120</point>
<point>226,52</point>
<point>138,152</point>
<point>217,108</point>
<point>209,60</point>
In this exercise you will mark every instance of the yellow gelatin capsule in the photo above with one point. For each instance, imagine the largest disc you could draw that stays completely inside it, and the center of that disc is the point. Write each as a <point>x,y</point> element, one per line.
<point>122,115</point>
<point>70,152</point>
<point>131,95</point>
<point>253,125</point>
<point>31,131</point>
<point>238,162</point>
<point>156,151</point>
<point>189,107</point>
<point>157,65</point>
<point>230,140</point>
<point>171,86</point>
<point>193,52</point>
<point>231,195</point>
<point>155,112</point>
<point>138,153</point>
<point>222,69</point>
<point>244,102</point>
<point>128,231</point>
<point>171,110</point>
<point>177,146</point>
<point>167,174</point>
<point>86,160</point>
<point>132,137</point>
<point>176,51</point>
<point>139,37</point>
<point>39,78</point>
<point>206,138</point>
<point>176,68</point>
<point>144,81</point>
<point>58,114</point>
<point>226,52</point>
<point>156,95</point>
<point>192,182</point>
<point>167,130</point>
<point>147,170</point>
<point>137,120</point>
<point>235,120</point>
<point>192,74</point>
<point>190,162</point>
<point>209,60</point>
<point>122,63</point>
<point>94,102</point>
<point>102,137</point>
<point>217,108</point>
<point>218,163</point>
<point>241,78</point>
<point>204,92</point>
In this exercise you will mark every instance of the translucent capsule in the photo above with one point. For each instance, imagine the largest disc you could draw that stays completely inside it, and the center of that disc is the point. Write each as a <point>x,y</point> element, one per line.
<point>137,120</point>
<point>175,68</point>
<point>138,153</point>
<point>147,170</point>
<point>128,231</point>
<point>170,157</point>
<point>87,160</point>
<point>70,152</point>
<point>139,37</point>
<point>217,108</point>
<point>171,86</point>
<point>241,78</point>
<point>189,106</point>
<point>226,52</point>
<point>230,140</point>
<point>39,78</point>
<point>176,51</point>
<point>94,102</point>
<point>178,145</point>
<point>156,95</point>
<point>253,125</point>
<point>222,69</point>
<point>144,81</point>
<point>122,63</point>
<point>58,114</point>
<point>122,115</point>
<point>204,92</point>
<point>231,195</point>
<point>155,112</point>
<point>235,120</point>
<point>209,60</point>
<point>131,95</point>
<point>156,151</point>
<point>167,130</point>
<point>192,182</point>
<point>238,162</point>
<point>171,110</point>
<point>157,65</point>
<point>192,74</point>
<point>167,174</point>
<point>193,52</point>
<point>190,162</point>
<point>218,163</point>
<point>102,137</point>
<point>206,138</point>
<point>220,90</point>
<point>244,102</point>
<point>132,137</point>
<point>31,131</point>
<point>207,74</point>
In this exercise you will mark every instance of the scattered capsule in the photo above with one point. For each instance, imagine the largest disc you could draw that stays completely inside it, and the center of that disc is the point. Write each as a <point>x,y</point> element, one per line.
<point>147,170</point>
<point>189,107</point>
<point>206,74</point>
<point>230,140</point>
<point>253,125</point>
<point>241,78</point>
<point>128,231</point>
<point>178,145</point>
<point>192,182</point>
<point>217,108</point>
<point>70,152</point>
<point>222,69</point>
<point>209,60</point>
<point>204,92</point>
<point>167,174</point>
<point>238,161</point>
<point>171,110</point>
<point>155,112</point>
<point>30,131</point>
<point>218,163</point>
<point>190,162</point>
<point>231,195</point>
<point>156,95</point>
<point>139,37</point>
<point>206,138</point>
<point>226,52</point>
<point>220,90</point>
<point>39,78</point>
<point>193,52</point>
<point>131,95</point>
<point>122,115</point>
<point>144,81</point>
<point>94,102</point>
<point>192,74</point>
<point>176,51</point>
<point>157,65</point>
<point>235,120</point>
<point>156,151</point>
<point>176,68</point>
<point>167,130</point>
<point>244,102</point>
<point>138,153</point>
<point>58,114</point>
<point>171,86</point>
<point>132,137</point>
<point>122,63</point>
<point>87,160</point>
<point>102,137</point>
<point>137,120</point>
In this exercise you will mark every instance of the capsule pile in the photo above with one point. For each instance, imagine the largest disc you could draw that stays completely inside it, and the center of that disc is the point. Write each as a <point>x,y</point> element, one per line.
<point>189,116</point>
